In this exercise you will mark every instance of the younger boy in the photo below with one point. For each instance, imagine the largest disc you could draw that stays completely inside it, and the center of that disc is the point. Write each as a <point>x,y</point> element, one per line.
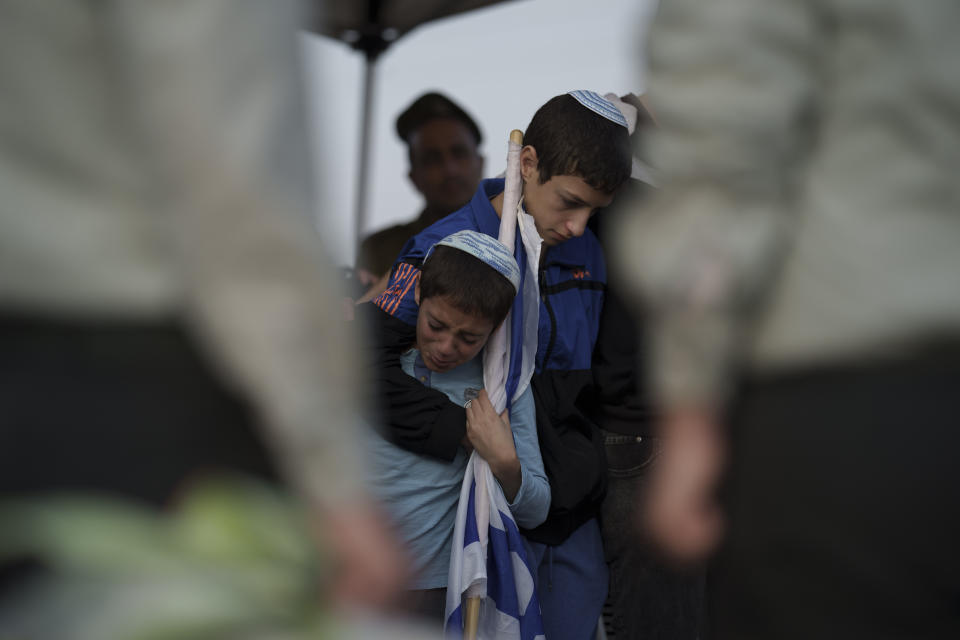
<point>467,284</point>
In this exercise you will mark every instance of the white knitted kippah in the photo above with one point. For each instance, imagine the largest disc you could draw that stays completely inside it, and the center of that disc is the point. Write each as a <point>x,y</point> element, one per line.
<point>487,248</point>
<point>599,105</point>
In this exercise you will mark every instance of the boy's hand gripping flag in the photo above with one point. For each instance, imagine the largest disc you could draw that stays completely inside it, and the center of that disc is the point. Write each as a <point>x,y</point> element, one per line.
<point>490,587</point>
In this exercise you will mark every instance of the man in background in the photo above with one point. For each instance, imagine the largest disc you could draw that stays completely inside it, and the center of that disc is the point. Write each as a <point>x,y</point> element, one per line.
<point>445,167</point>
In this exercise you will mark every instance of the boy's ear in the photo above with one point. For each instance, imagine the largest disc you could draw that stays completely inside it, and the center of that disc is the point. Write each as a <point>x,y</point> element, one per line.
<point>529,163</point>
<point>416,292</point>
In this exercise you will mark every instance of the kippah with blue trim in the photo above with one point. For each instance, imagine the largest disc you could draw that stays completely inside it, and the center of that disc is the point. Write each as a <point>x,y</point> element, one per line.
<point>486,248</point>
<point>599,105</point>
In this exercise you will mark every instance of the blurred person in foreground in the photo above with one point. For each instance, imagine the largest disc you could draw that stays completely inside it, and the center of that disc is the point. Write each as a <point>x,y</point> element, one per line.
<point>160,279</point>
<point>799,265</point>
<point>445,167</point>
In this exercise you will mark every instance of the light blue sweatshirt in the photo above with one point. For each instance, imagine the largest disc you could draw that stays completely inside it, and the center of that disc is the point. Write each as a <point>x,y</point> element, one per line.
<point>421,493</point>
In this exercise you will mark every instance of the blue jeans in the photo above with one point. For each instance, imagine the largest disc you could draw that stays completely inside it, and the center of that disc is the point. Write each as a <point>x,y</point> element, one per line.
<point>571,581</point>
<point>647,600</point>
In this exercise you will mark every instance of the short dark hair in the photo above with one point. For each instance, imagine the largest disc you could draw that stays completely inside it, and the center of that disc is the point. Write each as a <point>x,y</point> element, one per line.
<point>572,140</point>
<point>467,282</point>
<point>433,106</point>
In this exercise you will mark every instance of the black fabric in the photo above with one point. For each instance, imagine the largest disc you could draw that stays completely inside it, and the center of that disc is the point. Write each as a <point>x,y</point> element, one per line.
<point>118,408</point>
<point>843,497</point>
<point>572,451</point>
<point>619,402</point>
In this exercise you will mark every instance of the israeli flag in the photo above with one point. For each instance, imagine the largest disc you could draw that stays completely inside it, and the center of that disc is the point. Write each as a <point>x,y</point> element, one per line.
<point>489,562</point>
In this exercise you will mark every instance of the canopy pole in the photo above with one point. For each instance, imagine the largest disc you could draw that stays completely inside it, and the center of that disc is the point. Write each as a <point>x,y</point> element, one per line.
<point>369,84</point>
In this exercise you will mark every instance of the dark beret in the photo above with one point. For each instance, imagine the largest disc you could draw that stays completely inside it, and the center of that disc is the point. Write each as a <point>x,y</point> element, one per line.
<point>431,106</point>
